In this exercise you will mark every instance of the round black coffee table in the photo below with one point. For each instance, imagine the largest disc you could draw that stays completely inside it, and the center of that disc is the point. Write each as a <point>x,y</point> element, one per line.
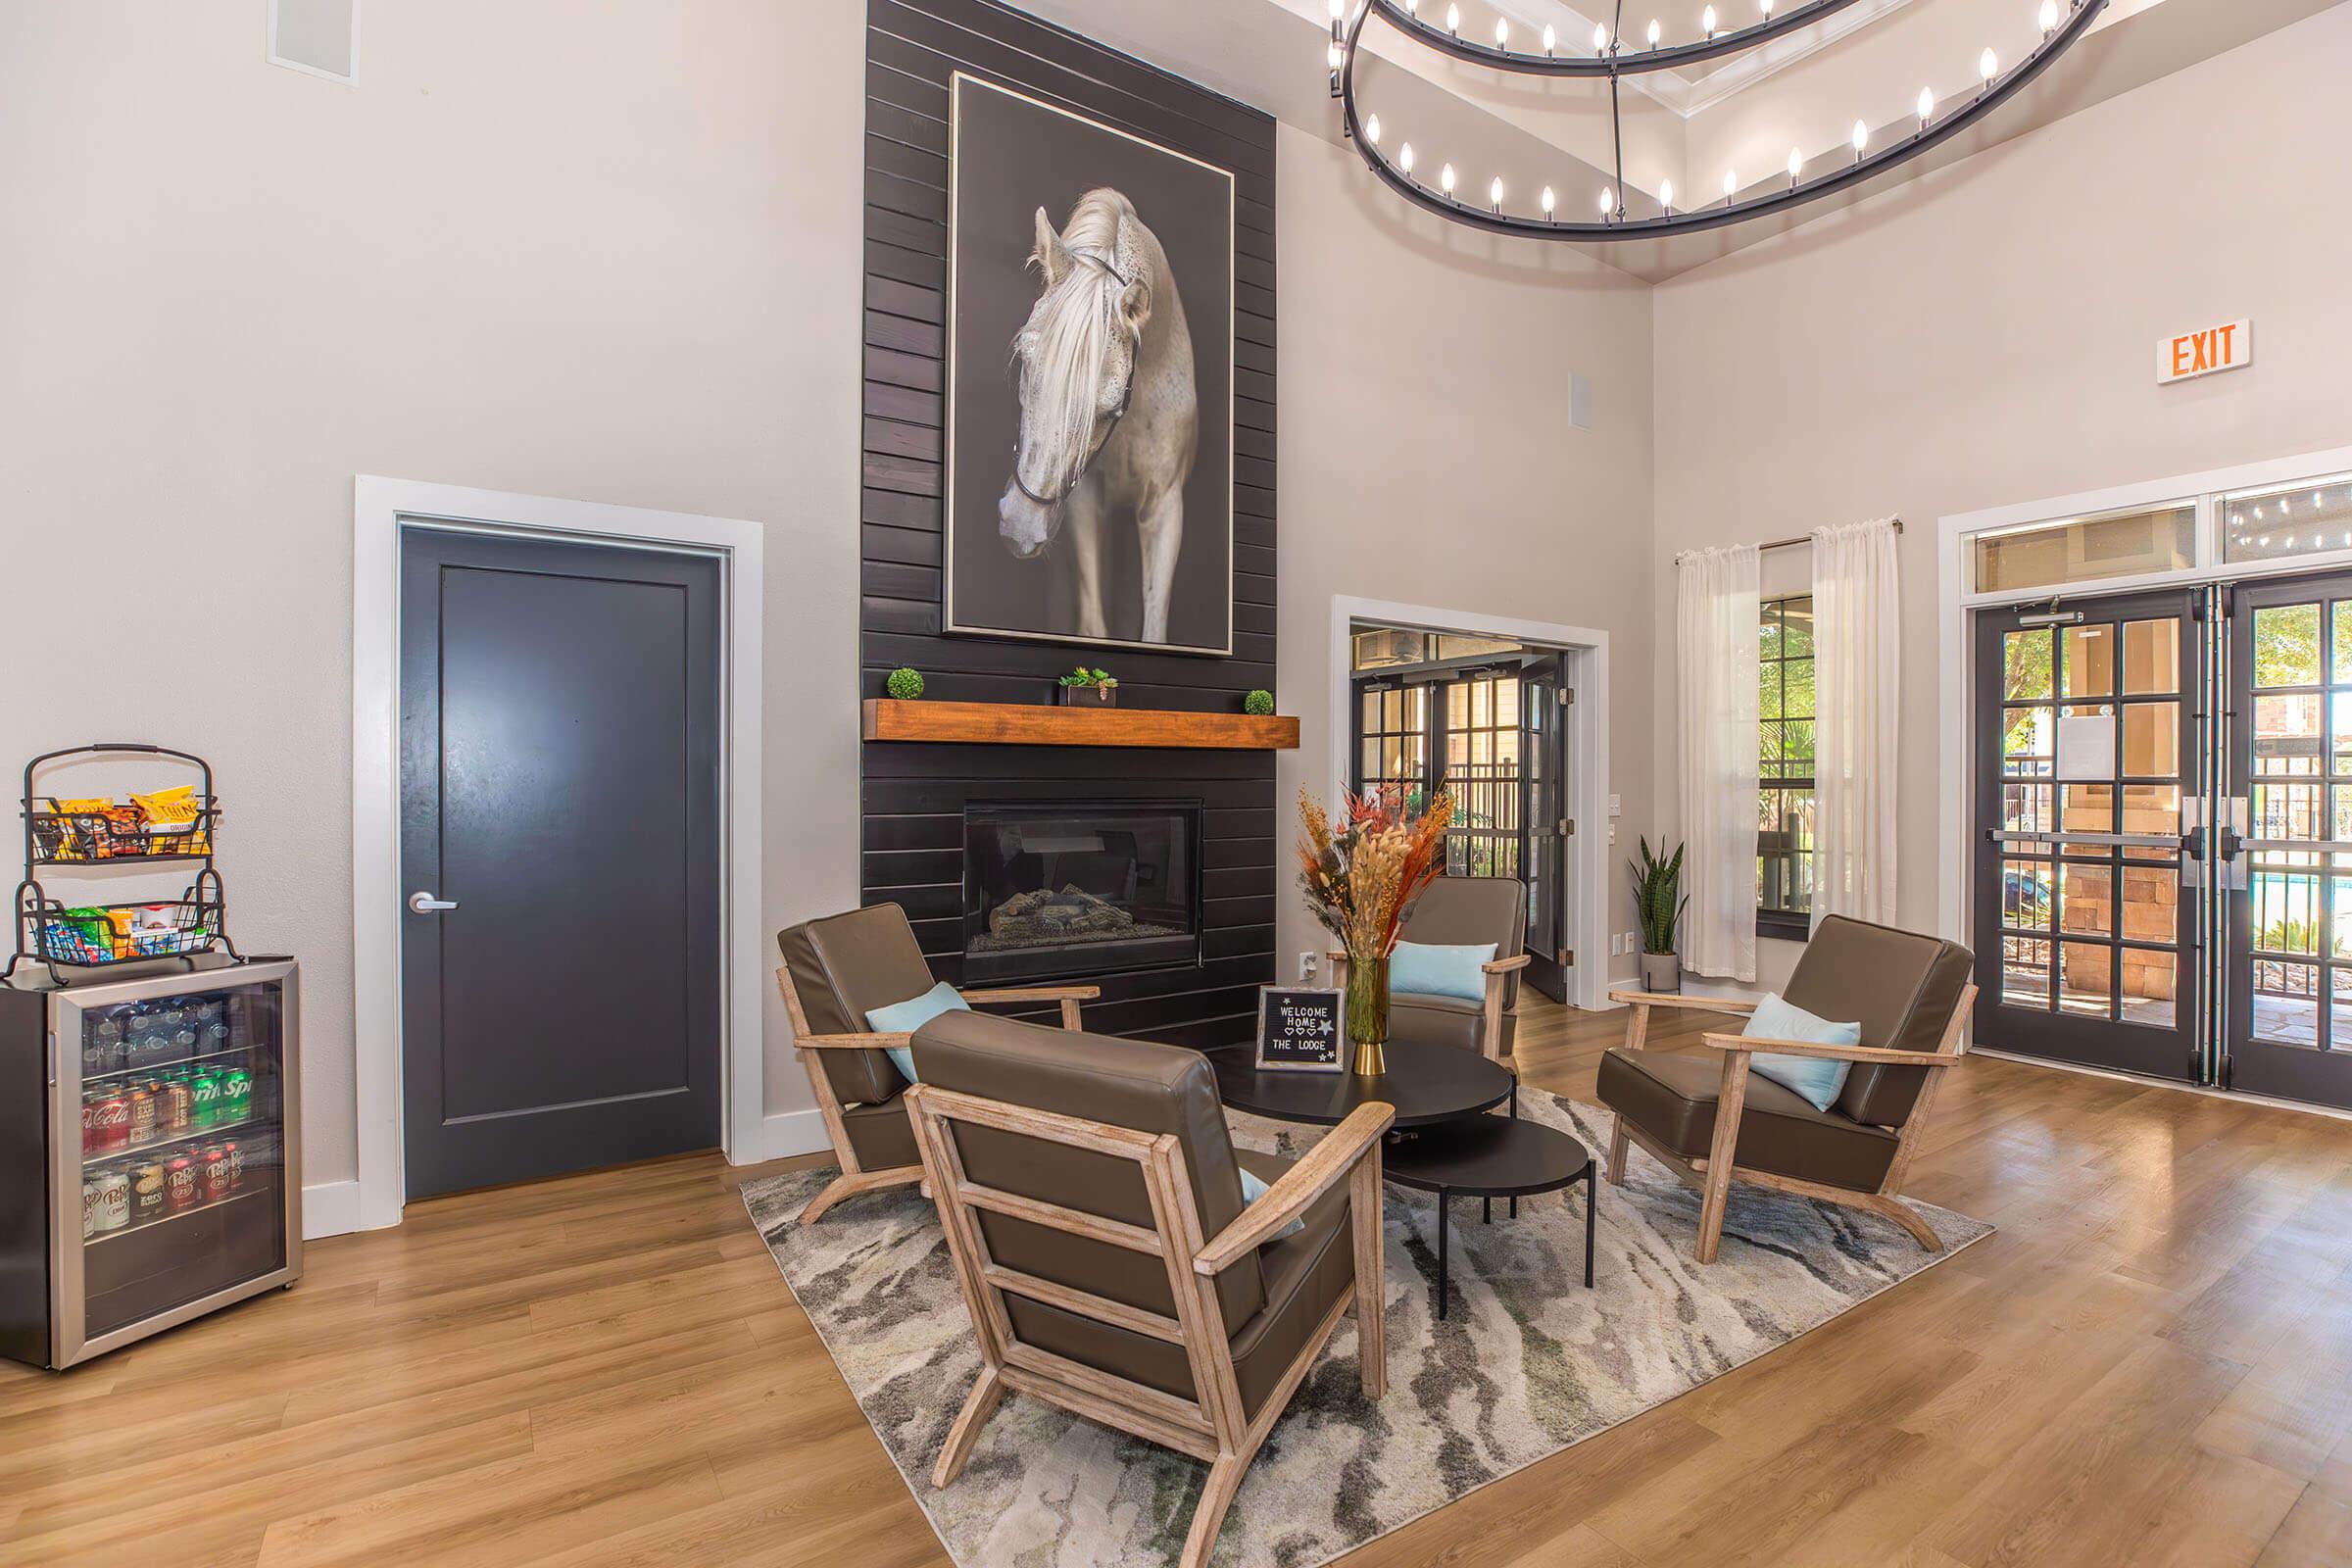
<point>1427,1084</point>
<point>1490,1158</point>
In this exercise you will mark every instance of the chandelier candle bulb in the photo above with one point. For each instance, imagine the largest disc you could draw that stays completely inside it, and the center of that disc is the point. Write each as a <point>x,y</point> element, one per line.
<point>1453,21</point>
<point>1608,204</point>
<point>1666,198</point>
<point>1927,106</point>
<point>1988,66</point>
<point>1404,159</point>
<point>1334,57</point>
<point>1494,194</point>
<point>1731,186</point>
<point>1655,32</point>
<point>1546,202</point>
<point>1551,39</point>
<point>1706,22</point>
<point>1372,130</point>
<point>2049,17</point>
<point>1600,38</point>
<point>1765,6</point>
<point>1797,165</point>
<point>1861,140</point>
<point>1502,34</point>
<point>1445,179</point>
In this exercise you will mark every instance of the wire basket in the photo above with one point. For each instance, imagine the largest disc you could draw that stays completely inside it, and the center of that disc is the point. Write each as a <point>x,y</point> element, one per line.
<point>120,933</point>
<point>122,830</point>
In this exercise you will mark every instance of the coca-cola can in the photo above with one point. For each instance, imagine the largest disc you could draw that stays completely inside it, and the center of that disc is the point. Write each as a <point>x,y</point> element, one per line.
<point>106,1127</point>
<point>114,1199</point>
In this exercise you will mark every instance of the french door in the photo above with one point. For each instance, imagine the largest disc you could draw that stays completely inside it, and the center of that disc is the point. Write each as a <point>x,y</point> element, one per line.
<point>2288,1022</point>
<point>2089,908</point>
<point>2162,883</point>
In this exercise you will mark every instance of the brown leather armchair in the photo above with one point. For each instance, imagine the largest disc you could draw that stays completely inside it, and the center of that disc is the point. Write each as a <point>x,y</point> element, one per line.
<point>1711,1121</point>
<point>835,971</point>
<point>1463,911</point>
<point>1092,1199</point>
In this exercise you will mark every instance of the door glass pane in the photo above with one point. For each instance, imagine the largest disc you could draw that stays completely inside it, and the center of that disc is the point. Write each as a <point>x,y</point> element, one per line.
<point>2026,894</point>
<point>2151,808</point>
<point>2340,1011</point>
<point>2087,899</point>
<point>2343,610</point>
<point>2025,973</point>
<point>2085,809</point>
<point>2339,726</point>
<point>2151,905</point>
<point>2026,664</point>
<point>2091,660</point>
<point>2026,808</point>
<point>2085,978</point>
<point>2026,742</point>
<point>2339,919</point>
<point>2287,734</point>
<point>2285,811</point>
<point>2286,911</point>
<point>2150,982</point>
<point>2286,1002</point>
<point>2152,740</point>
<point>2286,644</point>
<point>2151,656</point>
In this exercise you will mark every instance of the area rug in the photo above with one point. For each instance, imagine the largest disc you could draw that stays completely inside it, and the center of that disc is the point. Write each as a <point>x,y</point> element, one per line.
<point>1526,1362</point>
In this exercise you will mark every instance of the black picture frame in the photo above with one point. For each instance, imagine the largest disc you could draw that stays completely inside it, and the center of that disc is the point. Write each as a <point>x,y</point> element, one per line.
<point>1302,1029</point>
<point>1011,155</point>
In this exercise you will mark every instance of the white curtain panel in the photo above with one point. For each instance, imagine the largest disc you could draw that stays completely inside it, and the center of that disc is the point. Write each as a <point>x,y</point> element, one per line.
<point>1716,614</point>
<point>1857,684</point>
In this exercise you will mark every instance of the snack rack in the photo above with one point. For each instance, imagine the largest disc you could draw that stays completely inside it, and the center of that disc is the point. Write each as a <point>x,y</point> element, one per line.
<point>76,942</point>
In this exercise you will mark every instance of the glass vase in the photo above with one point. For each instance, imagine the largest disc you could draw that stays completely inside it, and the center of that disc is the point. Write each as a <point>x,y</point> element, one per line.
<point>1368,1014</point>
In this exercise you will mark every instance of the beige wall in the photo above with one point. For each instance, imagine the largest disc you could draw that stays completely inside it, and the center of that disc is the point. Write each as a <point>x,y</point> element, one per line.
<point>1987,335</point>
<point>614,254</point>
<point>610,255</point>
<point>1427,457</point>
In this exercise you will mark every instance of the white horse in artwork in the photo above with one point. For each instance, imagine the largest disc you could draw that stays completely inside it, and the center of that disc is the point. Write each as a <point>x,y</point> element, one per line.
<point>1110,418</point>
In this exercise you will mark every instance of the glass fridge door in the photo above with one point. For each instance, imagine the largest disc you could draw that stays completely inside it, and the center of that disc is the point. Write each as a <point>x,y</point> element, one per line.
<point>173,1109</point>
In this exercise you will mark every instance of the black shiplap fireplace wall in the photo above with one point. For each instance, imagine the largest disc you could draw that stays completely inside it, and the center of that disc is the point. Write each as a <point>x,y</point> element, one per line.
<point>913,795</point>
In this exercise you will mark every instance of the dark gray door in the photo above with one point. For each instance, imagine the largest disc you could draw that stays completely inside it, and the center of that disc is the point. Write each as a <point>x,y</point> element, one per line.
<point>2088,718</point>
<point>559,795</point>
<point>1544,739</point>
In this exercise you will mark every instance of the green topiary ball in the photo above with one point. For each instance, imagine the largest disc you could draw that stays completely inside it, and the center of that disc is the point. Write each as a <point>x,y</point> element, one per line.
<point>905,684</point>
<point>1259,701</point>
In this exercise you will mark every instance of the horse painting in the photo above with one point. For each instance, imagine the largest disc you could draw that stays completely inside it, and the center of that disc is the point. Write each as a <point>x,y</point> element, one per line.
<point>1109,410</point>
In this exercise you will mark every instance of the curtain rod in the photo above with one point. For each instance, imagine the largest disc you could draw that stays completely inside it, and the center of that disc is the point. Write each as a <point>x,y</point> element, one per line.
<point>1782,544</point>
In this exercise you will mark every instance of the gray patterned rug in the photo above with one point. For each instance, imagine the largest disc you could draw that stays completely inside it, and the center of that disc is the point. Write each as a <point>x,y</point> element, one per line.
<point>1526,1362</point>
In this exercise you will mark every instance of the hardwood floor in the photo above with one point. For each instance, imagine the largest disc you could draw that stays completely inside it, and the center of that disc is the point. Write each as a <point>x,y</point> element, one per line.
<point>2150,1363</point>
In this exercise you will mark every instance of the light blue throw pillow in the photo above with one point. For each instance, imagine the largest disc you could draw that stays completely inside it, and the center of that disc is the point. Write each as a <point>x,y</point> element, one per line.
<point>1427,969</point>
<point>905,1017</point>
<point>1813,1079</point>
<point>1253,1188</point>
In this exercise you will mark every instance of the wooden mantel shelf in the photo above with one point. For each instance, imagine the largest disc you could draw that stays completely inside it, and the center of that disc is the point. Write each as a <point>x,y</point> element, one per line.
<point>1019,724</point>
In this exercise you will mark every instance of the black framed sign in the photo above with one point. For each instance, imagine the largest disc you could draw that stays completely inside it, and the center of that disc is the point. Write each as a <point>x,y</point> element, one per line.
<point>1298,1029</point>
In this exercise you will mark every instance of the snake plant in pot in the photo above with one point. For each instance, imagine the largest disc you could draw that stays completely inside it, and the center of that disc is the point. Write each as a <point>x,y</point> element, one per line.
<point>1659,901</point>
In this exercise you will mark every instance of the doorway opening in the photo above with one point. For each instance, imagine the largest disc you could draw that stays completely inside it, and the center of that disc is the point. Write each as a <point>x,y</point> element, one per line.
<point>1484,717</point>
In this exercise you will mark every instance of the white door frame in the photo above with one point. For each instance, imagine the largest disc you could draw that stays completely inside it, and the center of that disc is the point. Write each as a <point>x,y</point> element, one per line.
<point>1585,656</point>
<point>381,511</point>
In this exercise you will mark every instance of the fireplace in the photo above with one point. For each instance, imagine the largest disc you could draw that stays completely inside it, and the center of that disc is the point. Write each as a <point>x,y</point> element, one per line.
<point>1063,890</point>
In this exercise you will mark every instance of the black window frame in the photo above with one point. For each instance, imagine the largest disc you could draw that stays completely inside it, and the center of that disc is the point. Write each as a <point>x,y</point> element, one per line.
<point>1775,921</point>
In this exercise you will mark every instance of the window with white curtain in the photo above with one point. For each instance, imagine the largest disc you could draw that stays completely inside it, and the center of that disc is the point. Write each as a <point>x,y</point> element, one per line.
<point>1785,798</point>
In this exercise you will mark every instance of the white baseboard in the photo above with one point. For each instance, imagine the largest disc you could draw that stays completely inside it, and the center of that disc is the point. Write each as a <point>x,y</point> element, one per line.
<point>783,1134</point>
<point>329,1209</point>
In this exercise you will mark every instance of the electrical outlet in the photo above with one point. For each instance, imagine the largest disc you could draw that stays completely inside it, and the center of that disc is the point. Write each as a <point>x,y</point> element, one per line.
<point>1614,807</point>
<point>1308,967</point>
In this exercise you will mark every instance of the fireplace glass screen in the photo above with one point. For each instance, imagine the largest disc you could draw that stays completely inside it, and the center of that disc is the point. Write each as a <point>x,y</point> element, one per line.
<point>1060,889</point>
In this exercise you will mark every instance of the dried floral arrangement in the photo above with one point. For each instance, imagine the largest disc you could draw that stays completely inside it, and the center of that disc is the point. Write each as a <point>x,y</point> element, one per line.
<point>1360,875</point>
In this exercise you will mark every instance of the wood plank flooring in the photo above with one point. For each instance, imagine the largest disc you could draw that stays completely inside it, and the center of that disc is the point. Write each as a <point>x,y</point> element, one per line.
<point>2150,1363</point>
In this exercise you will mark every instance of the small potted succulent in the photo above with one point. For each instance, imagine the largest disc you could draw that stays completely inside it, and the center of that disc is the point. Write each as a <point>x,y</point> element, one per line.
<point>1259,703</point>
<point>905,684</point>
<point>1089,688</point>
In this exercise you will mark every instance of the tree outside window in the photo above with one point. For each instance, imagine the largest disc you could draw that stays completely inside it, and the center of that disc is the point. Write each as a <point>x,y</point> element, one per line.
<point>1785,767</point>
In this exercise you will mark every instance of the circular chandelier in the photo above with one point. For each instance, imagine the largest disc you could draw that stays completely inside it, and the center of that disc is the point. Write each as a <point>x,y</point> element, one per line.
<point>1932,123</point>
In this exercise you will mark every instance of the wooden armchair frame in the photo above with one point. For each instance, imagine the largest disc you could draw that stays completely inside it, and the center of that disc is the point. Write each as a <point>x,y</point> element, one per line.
<point>1713,1176</point>
<point>1489,1036</point>
<point>854,1177</point>
<point>1211,1426</point>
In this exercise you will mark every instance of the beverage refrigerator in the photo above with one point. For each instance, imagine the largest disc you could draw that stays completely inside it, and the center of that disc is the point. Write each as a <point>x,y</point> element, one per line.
<point>149,1157</point>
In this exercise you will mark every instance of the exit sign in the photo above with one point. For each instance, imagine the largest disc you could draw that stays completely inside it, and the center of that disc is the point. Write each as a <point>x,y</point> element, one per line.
<point>2212,348</point>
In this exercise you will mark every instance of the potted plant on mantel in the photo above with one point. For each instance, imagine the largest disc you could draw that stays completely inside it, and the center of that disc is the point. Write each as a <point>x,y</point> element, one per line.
<point>1659,901</point>
<point>1089,688</point>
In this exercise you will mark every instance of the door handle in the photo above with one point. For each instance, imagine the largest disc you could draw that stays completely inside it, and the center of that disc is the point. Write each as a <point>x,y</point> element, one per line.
<point>426,903</point>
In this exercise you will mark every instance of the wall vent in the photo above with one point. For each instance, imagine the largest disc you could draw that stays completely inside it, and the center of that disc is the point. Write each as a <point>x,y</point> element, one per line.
<point>318,36</point>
